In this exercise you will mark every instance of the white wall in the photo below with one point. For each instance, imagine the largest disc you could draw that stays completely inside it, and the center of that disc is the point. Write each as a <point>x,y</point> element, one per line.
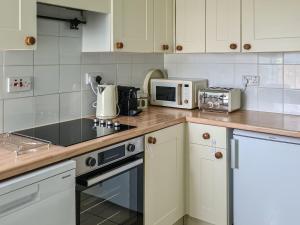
<point>58,68</point>
<point>279,89</point>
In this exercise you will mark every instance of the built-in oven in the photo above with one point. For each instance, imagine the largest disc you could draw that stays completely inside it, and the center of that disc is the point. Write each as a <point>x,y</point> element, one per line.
<point>109,185</point>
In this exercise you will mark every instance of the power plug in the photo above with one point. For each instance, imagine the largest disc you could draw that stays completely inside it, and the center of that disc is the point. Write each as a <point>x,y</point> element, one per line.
<point>90,77</point>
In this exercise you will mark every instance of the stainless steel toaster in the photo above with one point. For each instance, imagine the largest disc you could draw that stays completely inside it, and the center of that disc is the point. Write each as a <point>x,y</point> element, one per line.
<point>219,99</point>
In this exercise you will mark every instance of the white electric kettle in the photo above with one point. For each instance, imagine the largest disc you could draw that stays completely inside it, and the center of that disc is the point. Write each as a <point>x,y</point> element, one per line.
<point>107,102</point>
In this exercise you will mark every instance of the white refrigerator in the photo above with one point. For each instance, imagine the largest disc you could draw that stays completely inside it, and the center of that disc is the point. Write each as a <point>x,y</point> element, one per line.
<point>266,179</point>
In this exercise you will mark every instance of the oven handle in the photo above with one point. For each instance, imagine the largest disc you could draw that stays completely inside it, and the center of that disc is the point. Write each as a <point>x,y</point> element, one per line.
<point>102,177</point>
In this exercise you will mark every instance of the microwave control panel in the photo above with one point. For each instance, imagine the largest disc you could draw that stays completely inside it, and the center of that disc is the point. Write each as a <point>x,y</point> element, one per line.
<point>186,93</point>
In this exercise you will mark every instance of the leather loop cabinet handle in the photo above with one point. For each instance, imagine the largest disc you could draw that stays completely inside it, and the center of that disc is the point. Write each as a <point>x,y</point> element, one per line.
<point>233,46</point>
<point>206,136</point>
<point>30,40</point>
<point>152,140</point>
<point>219,155</point>
<point>179,48</point>
<point>247,46</point>
<point>119,45</point>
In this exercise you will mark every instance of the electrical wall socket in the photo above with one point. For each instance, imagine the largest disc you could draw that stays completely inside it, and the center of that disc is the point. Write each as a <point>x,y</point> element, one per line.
<point>18,84</point>
<point>91,77</point>
<point>251,80</point>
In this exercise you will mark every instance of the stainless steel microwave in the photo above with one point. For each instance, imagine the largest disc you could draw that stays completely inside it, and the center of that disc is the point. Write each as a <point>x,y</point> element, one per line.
<point>176,93</point>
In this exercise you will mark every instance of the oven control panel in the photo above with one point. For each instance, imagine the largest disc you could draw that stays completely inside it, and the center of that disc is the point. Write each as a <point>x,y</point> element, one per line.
<point>105,156</point>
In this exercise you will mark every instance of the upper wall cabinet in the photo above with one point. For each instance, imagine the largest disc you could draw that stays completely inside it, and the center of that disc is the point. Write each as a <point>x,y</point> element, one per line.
<point>133,25</point>
<point>190,26</point>
<point>223,25</point>
<point>102,6</point>
<point>269,26</point>
<point>17,24</point>
<point>163,25</point>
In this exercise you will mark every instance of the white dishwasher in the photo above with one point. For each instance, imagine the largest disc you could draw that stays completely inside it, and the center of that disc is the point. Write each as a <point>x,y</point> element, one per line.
<point>42,197</point>
<point>266,179</point>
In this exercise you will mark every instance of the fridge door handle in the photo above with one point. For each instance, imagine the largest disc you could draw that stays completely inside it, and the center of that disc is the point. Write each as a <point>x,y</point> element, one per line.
<point>234,154</point>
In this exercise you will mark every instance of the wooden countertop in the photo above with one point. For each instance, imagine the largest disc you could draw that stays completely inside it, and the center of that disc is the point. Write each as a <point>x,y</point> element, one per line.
<point>154,118</point>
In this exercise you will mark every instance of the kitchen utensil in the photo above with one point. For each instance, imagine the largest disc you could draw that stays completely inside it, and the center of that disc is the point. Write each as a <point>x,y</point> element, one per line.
<point>219,99</point>
<point>176,92</point>
<point>152,74</point>
<point>106,106</point>
<point>128,102</point>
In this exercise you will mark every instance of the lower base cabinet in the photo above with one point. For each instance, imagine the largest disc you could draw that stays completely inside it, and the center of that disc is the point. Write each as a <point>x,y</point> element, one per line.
<point>187,176</point>
<point>164,176</point>
<point>207,176</point>
<point>208,191</point>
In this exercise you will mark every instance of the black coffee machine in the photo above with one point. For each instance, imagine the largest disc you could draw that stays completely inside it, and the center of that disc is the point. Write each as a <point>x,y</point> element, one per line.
<point>127,101</point>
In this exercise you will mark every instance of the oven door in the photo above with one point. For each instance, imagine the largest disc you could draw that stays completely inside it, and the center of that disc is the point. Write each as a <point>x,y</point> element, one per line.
<point>166,94</point>
<point>112,195</point>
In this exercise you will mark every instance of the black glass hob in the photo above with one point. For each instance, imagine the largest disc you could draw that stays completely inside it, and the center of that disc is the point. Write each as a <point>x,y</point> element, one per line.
<point>75,131</point>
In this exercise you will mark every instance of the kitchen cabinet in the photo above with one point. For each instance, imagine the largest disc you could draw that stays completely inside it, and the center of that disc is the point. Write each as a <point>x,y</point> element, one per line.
<point>190,26</point>
<point>164,176</point>
<point>102,6</point>
<point>269,26</point>
<point>223,25</point>
<point>133,25</point>
<point>163,25</point>
<point>17,24</point>
<point>208,175</point>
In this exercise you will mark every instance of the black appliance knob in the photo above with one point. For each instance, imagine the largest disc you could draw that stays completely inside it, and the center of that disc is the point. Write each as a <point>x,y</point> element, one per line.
<point>90,161</point>
<point>131,147</point>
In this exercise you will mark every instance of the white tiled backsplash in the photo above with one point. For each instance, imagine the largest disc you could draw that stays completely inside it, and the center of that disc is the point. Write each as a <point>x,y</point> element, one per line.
<point>279,88</point>
<point>58,68</point>
<point>60,92</point>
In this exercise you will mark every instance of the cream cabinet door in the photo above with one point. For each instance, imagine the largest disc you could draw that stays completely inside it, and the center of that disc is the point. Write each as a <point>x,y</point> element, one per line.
<point>207,184</point>
<point>190,26</point>
<point>270,25</point>
<point>223,22</point>
<point>163,25</point>
<point>17,22</point>
<point>164,172</point>
<point>133,25</point>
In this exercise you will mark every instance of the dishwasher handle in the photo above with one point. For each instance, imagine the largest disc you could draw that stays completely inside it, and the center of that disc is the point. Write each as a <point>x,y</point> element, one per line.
<point>97,179</point>
<point>18,199</point>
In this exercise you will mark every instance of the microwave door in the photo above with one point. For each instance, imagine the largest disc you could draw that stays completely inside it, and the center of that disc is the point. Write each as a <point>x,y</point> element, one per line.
<point>165,93</point>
